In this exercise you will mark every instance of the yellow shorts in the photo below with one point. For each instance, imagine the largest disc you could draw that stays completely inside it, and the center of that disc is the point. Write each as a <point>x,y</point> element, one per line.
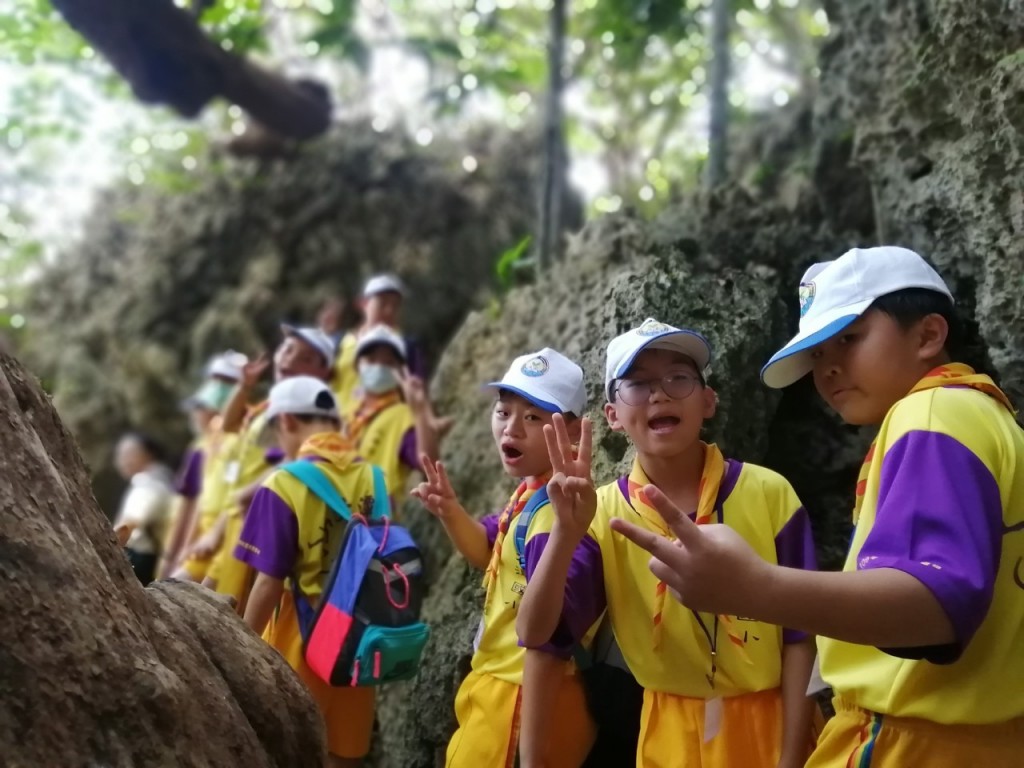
<point>488,736</point>
<point>195,567</point>
<point>230,575</point>
<point>856,738</point>
<point>672,732</point>
<point>347,712</point>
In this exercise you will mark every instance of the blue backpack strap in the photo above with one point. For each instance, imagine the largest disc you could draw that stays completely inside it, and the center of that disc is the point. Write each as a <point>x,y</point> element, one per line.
<point>381,499</point>
<point>316,481</point>
<point>538,500</point>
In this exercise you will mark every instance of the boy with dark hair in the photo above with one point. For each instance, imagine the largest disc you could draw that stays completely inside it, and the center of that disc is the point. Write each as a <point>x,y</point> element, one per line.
<point>919,635</point>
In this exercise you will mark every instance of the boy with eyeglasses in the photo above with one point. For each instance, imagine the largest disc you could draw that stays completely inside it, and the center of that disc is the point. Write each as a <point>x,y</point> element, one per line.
<point>719,690</point>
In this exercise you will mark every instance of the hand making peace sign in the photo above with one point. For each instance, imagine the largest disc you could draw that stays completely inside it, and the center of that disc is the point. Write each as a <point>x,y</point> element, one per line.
<point>571,488</point>
<point>436,493</point>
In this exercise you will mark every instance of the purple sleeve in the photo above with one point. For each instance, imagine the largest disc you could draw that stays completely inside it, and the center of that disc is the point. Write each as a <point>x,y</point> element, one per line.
<point>190,479</point>
<point>269,541</point>
<point>794,548</point>
<point>584,600</point>
<point>273,456</point>
<point>408,452</point>
<point>416,361</point>
<point>939,519</point>
<point>490,523</point>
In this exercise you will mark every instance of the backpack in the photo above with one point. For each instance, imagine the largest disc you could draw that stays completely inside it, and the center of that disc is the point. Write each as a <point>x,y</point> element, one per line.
<point>366,629</point>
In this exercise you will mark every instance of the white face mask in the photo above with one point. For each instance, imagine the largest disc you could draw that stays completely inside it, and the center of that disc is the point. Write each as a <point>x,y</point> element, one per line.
<point>376,379</point>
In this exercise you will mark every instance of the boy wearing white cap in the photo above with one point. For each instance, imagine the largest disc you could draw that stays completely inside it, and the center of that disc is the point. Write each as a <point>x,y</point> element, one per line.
<point>290,539</point>
<point>720,689</point>
<point>494,694</point>
<point>303,351</point>
<point>919,636</point>
<point>391,425</point>
<point>200,483</point>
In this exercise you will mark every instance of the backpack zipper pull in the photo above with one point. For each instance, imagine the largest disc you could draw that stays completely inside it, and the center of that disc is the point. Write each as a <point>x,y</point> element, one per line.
<point>355,674</point>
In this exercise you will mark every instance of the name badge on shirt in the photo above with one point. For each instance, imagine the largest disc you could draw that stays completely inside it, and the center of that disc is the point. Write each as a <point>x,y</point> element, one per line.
<point>479,635</point>
<point>712,718</point>
<point>231,472</point>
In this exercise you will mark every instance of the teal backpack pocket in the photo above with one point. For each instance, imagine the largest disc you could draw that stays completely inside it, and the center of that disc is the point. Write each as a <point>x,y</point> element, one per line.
<point>389,654</point>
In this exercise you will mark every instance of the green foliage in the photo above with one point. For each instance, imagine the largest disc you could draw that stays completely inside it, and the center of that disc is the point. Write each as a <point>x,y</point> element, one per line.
<point>513,263</point>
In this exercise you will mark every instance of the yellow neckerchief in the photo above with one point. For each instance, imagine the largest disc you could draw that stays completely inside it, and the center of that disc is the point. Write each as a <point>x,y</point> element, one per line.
<point>331,447</point>
<point>367,412</point>
<point>710,483</point>
<point>950,375</point>
<point>516,504</point>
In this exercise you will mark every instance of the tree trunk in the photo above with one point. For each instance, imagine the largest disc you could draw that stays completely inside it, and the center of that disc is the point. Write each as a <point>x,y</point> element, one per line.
<point>553,179</point>
<point>163,54</point>
<point>721,54</point>
<point>96,670</point>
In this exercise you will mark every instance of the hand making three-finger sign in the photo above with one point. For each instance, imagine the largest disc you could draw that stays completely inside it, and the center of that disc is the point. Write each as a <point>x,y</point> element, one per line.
<point>707,568</point>
<point>571,488</point>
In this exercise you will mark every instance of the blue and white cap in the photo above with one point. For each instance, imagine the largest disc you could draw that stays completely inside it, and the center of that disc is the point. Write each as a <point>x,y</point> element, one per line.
<point>548,379</point>
<point>316,338</point>
<point>653,334</point>
<point>833,294</point>
<point>302,396</point>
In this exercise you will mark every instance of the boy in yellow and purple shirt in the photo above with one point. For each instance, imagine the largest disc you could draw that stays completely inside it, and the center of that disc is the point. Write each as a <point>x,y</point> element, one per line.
<point>920,633</point>
<point>391,424</point>
<point>303,351</point>
<point>720,689</point>
<point>291,540</point>
<point>493,701</point>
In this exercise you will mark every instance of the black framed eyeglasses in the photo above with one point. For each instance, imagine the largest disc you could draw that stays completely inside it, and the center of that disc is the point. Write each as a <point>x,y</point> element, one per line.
<point>677,386</point>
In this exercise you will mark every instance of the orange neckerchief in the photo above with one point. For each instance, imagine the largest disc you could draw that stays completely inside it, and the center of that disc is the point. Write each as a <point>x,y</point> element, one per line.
<point>253,411</point>
<point>950,375</point>
<point>710,483</point>
<point>331,447</point>
<point>367,412</point>
<point>516,504</point>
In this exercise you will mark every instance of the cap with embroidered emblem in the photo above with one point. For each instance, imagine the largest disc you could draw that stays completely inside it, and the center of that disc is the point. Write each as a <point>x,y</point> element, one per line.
<point>833,294</point>
<point>654,334</point>
<point>548,379</point>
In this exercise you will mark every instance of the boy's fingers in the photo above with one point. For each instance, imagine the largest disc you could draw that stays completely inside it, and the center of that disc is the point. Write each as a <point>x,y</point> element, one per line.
<point>681,525</point>
<point>557,463</point>
<point>665,573</point>
<point>562,438</point>
<point>659,546</point>
<point>586,442</point>
<point>428,468</point>
<point>442,476</point>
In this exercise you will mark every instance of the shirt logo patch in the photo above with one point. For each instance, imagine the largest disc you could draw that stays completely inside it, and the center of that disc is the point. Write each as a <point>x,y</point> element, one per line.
<point>807,291</point>
<point>536,366</point>
<point>653,328</point>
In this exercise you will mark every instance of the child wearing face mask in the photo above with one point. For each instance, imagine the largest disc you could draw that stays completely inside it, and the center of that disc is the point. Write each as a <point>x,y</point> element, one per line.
<point>391,424</point>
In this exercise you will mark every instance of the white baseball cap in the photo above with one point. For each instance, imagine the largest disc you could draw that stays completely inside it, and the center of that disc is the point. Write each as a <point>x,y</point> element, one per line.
<point>227,365</point>
<point>548,379</point>
<point>381,334</point>
<point>302,396</point>
<point>383,284</point>
<point>652,334</point>
<point>316,338</point>
<point>835,293</point>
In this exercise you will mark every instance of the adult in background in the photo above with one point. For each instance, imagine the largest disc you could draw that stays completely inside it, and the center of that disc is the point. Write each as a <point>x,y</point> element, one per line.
<point>146,505</point>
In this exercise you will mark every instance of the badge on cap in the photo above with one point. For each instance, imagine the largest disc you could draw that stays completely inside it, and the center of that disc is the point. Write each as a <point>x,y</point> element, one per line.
<point>806,297</point>
<point>536,366</point>
<point>651,327</point>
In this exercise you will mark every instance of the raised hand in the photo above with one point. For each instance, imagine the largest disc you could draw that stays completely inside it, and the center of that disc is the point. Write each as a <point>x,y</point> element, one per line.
<point>436,492</point>
<point>253,371</point>
<point>707,568</point>
<point>414,389</point>
<point>571,488</point>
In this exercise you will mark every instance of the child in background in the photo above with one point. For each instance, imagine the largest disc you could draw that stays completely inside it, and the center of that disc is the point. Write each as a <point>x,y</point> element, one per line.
<point>720,689</point>
<point>200,484</point>
<point>492,700</point>
<point>919,636</point>
<point>302,352</point>
<point>391,425</point>
<point>291,540</point>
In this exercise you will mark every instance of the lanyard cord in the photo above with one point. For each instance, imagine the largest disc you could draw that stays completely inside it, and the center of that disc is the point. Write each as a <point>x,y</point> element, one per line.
<point>712,635</point>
